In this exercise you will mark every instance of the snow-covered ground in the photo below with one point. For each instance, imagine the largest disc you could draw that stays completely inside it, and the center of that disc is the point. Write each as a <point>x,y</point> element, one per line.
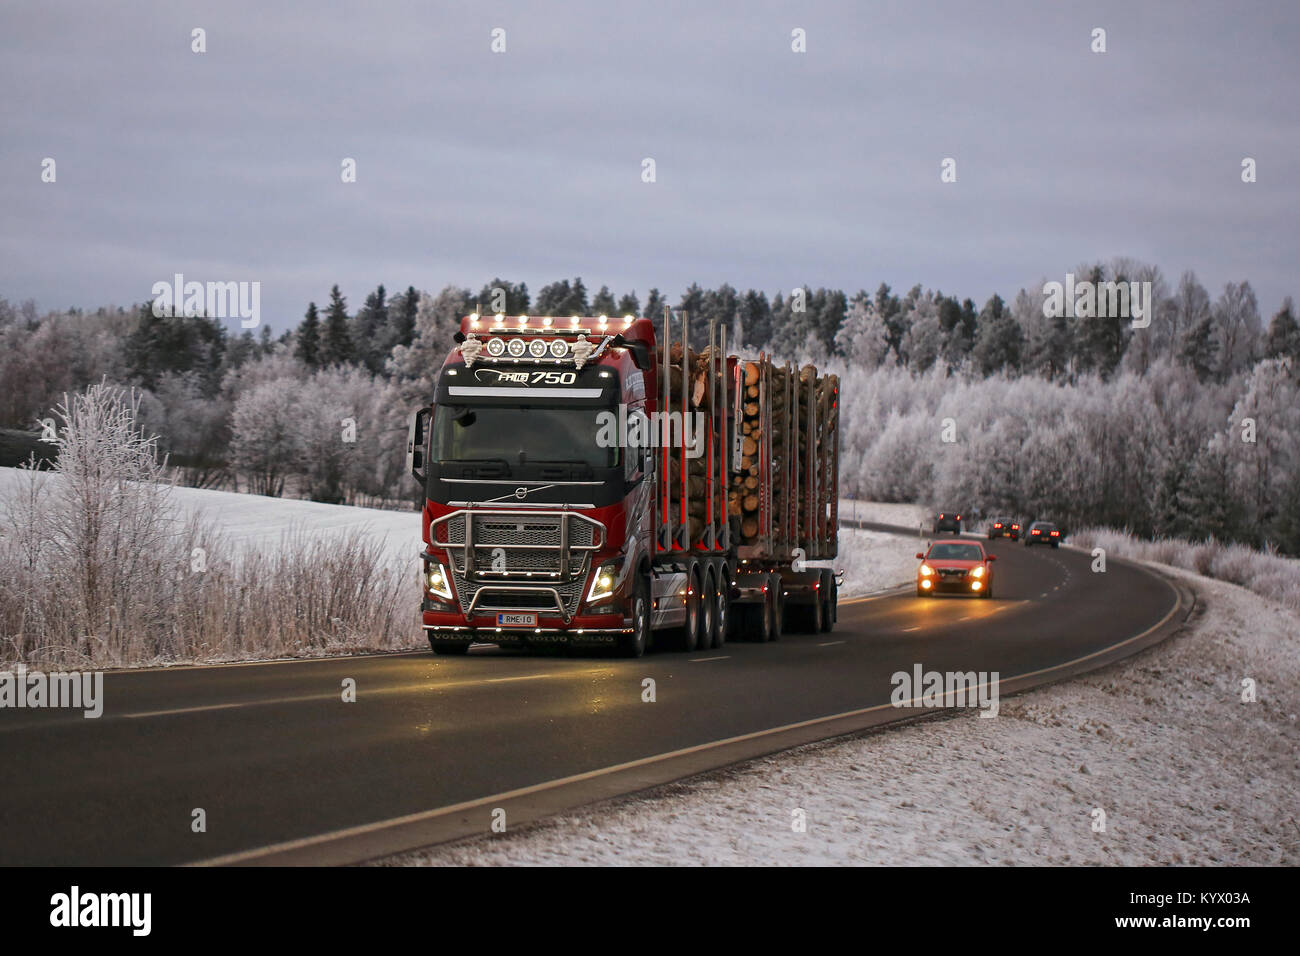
<point>1184,771</point>
<point>876,512</point>
<point>873,561</point>
<point>259,523</point>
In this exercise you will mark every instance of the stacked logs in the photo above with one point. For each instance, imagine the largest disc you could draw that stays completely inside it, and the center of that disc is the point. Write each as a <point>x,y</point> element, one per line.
<point>700,398</point>
<point>744,494</point>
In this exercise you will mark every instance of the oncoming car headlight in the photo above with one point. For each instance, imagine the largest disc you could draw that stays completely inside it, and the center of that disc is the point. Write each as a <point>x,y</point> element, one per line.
<point>604,581</point>
<point>435,580</point>
<point>977,573</point>
<point>926,570</point>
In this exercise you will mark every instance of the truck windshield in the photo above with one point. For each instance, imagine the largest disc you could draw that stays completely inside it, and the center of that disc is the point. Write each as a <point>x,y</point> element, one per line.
<point>519,435</point>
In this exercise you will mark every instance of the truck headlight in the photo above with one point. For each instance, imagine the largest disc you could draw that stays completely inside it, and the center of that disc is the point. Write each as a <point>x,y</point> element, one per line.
<point>435,579</point>
<point>604,581</point>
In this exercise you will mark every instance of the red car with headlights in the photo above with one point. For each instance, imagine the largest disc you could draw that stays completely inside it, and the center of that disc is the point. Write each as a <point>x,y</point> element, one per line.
<point>955,566</point>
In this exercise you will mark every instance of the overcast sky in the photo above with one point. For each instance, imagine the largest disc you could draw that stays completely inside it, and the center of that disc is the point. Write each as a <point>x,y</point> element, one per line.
<point>774,168</point>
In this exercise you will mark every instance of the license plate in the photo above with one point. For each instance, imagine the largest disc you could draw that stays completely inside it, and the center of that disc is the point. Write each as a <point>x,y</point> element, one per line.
<point>516,620</point>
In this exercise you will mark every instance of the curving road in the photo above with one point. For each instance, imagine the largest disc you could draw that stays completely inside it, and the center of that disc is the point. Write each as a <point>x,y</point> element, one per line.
<point>288,773</point>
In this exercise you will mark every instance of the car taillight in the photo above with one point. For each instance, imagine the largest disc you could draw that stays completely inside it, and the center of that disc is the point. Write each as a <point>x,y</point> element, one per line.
<point>959,517</point>
<point>1035,532</point>
<point>998,525</point>
<point>1055,534</point>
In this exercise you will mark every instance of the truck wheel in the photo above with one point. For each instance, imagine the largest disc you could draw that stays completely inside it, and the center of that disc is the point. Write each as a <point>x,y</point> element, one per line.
<point>691,626</point>
<point>813,616</point>
<point>829,601</point>
<point>777,618</point>
<point>718,593</point>
<point>634,644</point>
<point>707,608</point>
<point>449,648</point>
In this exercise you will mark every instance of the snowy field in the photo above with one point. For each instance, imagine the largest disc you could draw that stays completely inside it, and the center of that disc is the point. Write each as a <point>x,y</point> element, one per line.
<point>906,516</point>
<point>873,561</point>
<point>258,523</point>
<point>1185,772</point>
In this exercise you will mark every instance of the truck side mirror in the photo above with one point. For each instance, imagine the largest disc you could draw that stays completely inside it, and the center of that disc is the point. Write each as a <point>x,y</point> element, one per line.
<point>416,442</point>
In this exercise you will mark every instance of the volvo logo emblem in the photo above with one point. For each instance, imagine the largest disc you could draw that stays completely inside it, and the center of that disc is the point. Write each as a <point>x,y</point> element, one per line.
<point>521,493</point>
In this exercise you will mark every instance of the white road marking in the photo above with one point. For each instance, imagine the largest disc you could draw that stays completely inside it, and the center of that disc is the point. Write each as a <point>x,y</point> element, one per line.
<point>831,643</point>
<point>702,660</point>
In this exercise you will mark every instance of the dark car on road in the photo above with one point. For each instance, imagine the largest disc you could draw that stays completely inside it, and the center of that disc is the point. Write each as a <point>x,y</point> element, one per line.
<point>1004,526</point>
<point>949,521</point>
<point>1043,532</point>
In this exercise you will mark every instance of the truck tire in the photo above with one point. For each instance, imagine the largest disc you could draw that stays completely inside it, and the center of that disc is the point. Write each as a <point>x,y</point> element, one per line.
<point>719,594</point>
<point>634,644</point>
<point>813,616</point>
<point>449,648</point>
<point>829,601</point>
<point>707,608</point>
<point>691,626</point>
<point>776,617</point>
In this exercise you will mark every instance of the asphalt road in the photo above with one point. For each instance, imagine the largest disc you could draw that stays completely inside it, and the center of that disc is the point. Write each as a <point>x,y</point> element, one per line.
<point>275,758</point>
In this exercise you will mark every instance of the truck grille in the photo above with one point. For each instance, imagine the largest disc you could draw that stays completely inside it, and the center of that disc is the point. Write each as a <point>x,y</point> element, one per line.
<point>538,531</point>
<point>538,598</point>
<point>529,552</point>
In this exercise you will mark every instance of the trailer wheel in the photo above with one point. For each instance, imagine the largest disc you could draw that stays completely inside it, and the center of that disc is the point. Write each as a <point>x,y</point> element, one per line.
<point>776,620</point>
<point>830,599</point>
<point>634,644</point>
<point>718,594</point>
<point>813,616</point>
<point>757,620</point>
<point>707,607</point>
<point>691,626</point>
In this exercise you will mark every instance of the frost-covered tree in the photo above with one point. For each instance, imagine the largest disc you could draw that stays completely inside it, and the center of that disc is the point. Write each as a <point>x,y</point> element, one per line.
<point>923,341</point>
<point>1283,333</point>
<point>415,367</point>
<point>1237,328</point>
<point>265,436</point>
<point>863,339</point>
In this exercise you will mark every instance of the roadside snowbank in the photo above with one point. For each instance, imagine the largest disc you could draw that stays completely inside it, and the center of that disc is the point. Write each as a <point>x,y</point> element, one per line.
<point>1185,772</point>
<point>1269,575</point>
<point>877,512</point>
<point>874,561</point>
